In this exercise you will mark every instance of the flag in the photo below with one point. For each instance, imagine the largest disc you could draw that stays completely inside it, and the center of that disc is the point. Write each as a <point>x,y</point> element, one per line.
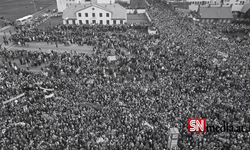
<point>49,96</point>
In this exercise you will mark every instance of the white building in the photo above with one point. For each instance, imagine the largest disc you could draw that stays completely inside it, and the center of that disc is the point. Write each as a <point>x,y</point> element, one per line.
<point>63,4</point>
<point>95,14</point>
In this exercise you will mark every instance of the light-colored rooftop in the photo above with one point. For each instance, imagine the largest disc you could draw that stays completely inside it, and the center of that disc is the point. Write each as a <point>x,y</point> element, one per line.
<point>118,12</point>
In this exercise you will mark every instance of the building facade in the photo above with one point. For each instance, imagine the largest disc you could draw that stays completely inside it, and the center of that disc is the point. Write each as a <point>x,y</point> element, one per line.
<point>237,5</point>
<point>106,14</point>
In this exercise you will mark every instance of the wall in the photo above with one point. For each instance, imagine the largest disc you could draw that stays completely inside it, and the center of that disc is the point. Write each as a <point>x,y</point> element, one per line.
<point>97,11</point>
<point>139,11</point>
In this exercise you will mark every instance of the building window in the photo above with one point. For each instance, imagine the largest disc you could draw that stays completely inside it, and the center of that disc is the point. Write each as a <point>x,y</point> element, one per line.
<point>100,14</point>
<point>107,14</point>
<point>93,8</point>
<point>74,22</point>
<point>93,21</point>
<point>86,15</point>
<point>121,21</point>
<point>101,22</point>
<point>67,21</point>
<point>93,14</point>
<point>87,21</point>
<point>80,21</point>
<point>79,15</point>
<point>107,21</point>
<point>114,21</point>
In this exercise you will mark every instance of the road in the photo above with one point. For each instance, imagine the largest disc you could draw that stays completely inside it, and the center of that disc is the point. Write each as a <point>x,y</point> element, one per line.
<point>11,28</point>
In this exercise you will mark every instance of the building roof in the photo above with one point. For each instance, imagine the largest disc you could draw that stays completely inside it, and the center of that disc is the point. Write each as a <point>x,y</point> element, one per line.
<point>215,12</point>
<point>118,12</point>
<point>245,8</point>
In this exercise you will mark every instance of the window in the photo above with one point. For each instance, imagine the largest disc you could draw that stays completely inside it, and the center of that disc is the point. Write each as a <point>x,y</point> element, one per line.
<point>74,22</point>
<point>67,21</point>
<point>121,21</point>
<point>107,14</point>
<point>86,15</point>
<point>107,21</point>
<point>93,21</point>
<point>101,22</point>
<point>93,8</point>
<point>79,15</point>
<point>114,21</point>
<point>87,22</point>
<point>100,14</point>
<point>93,14</point>
<point>237,0</point>
<point>80,21</point>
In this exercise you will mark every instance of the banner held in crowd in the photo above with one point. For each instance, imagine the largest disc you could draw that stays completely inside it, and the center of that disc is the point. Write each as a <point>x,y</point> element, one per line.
<point>14,98</point>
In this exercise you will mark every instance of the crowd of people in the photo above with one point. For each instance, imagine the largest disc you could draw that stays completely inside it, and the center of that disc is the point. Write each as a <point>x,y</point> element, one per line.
<point>156,82</point>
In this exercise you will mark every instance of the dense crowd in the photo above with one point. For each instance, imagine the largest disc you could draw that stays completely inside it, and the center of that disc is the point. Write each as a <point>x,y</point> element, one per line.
<point>157,82</point>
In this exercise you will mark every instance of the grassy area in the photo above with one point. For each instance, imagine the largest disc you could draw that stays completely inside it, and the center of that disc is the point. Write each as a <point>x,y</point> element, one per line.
<point>14,9</point>
<point>53,21</point>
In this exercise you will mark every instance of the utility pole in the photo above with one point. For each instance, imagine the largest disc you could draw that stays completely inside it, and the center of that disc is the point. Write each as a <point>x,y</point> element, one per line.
<point>34,5</point>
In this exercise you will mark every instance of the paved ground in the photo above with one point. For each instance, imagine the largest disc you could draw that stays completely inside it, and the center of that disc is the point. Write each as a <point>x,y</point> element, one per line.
<point>61,48</point>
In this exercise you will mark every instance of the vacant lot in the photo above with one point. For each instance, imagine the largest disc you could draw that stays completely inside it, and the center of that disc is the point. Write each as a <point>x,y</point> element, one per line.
<point>14,9</point>
<point>52,21</point>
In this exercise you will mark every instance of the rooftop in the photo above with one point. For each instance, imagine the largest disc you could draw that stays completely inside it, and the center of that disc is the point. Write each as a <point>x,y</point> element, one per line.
<point>245,8</point>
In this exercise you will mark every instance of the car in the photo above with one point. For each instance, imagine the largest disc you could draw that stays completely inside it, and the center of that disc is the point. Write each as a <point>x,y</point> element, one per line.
<point>45,15</point>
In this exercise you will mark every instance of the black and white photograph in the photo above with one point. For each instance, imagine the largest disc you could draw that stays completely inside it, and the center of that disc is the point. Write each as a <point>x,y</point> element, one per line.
<point>124,74</point>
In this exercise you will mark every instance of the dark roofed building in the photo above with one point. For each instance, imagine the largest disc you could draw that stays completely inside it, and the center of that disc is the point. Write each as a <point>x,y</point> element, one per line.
<point>222,14</point>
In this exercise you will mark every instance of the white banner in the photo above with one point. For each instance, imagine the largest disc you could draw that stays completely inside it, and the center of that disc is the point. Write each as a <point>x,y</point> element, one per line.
<point>14,98</point>
<point>46,89</point>
<point>49,96</point>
